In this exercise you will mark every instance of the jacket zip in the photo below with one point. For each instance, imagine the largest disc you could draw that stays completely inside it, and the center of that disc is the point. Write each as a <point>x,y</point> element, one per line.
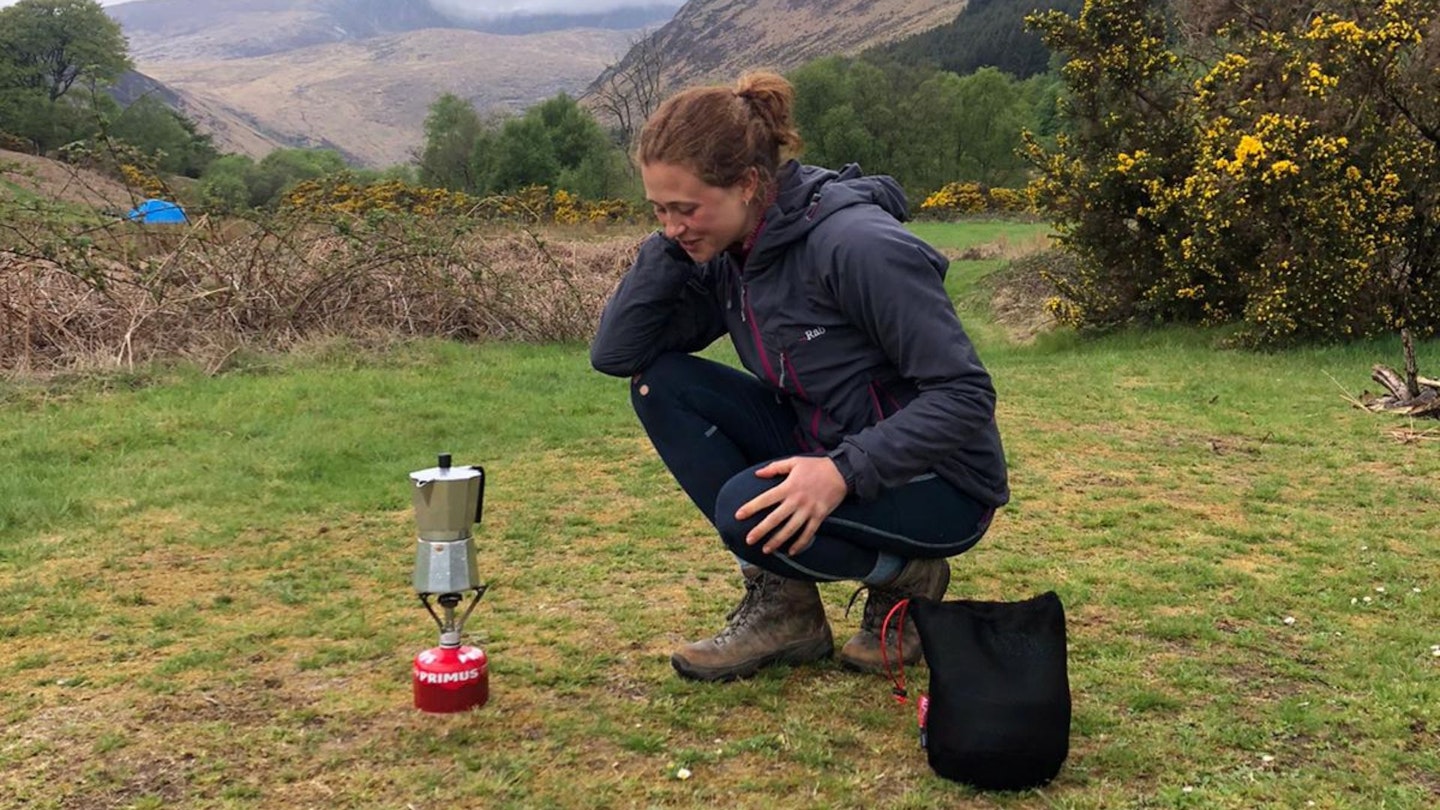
<point>747,315</point>
<point>814,407</point>
<point>875,401</point>
<point>786,364</point>
<point>745,311</point>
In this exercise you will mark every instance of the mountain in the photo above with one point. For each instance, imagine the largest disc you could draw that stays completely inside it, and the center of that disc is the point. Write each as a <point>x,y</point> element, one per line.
<point>230,130</point>
<point>628,18</point>
<point>182,30</point>
<point>359,76</point>
<point>716,40</point>
<point>369,98</point>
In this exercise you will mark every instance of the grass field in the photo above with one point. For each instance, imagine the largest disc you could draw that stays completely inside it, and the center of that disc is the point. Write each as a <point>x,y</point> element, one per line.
<point>205,588</point>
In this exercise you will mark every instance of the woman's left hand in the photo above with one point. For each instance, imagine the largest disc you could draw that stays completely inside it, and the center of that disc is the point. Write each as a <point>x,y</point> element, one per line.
<point>812,488</point>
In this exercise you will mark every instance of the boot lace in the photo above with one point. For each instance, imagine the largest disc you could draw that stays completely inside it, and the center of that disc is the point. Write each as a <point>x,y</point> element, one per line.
<point>878,603</point>
<point>742,614</point>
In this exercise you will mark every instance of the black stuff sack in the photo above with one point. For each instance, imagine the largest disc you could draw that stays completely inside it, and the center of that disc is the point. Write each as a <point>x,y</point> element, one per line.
<point>998,715</point>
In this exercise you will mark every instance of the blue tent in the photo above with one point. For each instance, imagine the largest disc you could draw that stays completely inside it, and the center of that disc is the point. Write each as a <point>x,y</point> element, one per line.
<point>158,212</point>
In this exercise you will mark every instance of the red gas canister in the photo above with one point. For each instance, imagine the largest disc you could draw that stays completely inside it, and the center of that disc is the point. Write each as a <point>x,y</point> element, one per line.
<point>451,679</point>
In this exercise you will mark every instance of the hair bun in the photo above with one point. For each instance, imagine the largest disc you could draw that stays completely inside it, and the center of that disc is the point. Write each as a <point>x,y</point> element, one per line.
<point>705,129</point>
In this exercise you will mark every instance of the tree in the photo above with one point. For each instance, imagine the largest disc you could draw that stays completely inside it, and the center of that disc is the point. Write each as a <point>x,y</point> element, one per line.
<point>631,89</point>
<point>844,109</point>
<point>225,186</point>
<point>451,130</point>
<point>556,143</point>
<point>820,86</point>
<point>954,128</point>
<point>485,157</point>
<point>841,137</point>
<point>52,44</point>
<point>283,168</point>
<point>601,175</point>
<point>165,135</point>
<point>573,133</point>
<point>525,155</point>
<point>991,114</point>
<point>930,149</point>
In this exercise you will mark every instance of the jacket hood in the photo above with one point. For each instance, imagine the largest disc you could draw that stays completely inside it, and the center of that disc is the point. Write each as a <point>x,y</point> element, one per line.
<point>810,194</point>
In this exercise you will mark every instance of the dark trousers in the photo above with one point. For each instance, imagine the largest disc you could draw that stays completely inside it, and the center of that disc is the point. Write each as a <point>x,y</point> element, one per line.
<point>714,426</point>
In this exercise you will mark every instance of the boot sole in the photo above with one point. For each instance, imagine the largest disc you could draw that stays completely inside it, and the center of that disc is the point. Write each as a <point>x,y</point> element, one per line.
<point>868,667</point>
<point>801,653</point>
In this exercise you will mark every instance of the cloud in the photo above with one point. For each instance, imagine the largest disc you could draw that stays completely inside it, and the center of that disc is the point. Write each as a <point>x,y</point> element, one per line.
<point>486,9</point>
<point>490,9</point>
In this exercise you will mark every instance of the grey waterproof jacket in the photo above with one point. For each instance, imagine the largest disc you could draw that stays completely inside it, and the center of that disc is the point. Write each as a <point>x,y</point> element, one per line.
<point>845,311</point>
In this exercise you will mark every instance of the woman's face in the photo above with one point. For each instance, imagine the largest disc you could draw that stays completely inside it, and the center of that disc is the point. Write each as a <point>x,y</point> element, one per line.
<point>704,219</point>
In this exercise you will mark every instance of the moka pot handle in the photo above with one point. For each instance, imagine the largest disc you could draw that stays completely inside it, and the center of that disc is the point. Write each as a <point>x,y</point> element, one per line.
<point>480,497</point>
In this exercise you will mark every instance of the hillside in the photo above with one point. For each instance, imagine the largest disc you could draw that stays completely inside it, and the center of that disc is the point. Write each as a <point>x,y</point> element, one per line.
<point>190,30</point>
<point>988,33</point>
<point>23,176</point>
<point>368,99</point>
<point>230,131</point>
<point>715,40</point>
<point>359,76</point>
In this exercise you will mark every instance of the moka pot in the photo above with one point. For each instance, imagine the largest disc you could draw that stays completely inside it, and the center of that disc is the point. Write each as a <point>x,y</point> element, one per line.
<point>448,501</point>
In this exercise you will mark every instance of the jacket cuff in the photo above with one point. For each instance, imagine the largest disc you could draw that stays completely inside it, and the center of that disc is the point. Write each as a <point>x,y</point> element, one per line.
<point>847,471</point>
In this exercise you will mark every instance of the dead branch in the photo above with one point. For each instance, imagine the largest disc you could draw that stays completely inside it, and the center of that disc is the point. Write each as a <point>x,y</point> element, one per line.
<point>1399,398</point>
<point>213,291</point>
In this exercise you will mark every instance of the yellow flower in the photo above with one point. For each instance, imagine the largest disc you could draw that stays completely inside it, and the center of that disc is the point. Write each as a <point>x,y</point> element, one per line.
<point>1280,168</point>
<point>1249,150</point>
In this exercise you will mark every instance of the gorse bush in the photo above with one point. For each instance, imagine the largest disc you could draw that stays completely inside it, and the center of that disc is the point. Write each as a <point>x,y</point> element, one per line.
<point>340,194</point>
<point>973,198</point>
<point>343,193</point>
<point>1291,185</point>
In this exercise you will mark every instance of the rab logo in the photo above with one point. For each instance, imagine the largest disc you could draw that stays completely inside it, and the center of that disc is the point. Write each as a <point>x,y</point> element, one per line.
<point>811,334</point>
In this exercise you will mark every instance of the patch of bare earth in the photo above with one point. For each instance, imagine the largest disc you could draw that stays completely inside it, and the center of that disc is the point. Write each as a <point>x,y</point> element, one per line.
<point>1018,295</point>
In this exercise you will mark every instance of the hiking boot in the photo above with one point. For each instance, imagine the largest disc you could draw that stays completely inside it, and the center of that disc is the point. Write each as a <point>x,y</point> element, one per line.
<point>919,579</point>
<point>779,621</point>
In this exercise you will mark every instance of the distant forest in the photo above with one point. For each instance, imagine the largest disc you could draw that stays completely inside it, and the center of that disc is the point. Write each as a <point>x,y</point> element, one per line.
<point>988,33</point>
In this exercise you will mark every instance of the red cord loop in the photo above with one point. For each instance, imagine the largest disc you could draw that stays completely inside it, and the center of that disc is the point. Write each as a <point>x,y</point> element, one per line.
<point>899,691</point>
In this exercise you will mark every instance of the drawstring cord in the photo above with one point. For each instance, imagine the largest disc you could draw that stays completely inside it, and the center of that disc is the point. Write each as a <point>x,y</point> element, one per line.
<point>899,691</point>
<point>897,674</point>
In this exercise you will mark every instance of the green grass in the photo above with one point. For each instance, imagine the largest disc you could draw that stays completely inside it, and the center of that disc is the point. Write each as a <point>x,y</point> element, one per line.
<point>17,192</point>
<point>205,588</point>
<point>962,235</point>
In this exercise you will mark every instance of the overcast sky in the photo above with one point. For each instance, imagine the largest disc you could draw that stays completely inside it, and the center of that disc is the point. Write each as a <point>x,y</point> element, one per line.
<point>496,8</point>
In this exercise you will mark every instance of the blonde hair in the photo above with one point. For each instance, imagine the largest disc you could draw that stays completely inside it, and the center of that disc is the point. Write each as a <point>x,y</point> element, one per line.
<point>720,132</point>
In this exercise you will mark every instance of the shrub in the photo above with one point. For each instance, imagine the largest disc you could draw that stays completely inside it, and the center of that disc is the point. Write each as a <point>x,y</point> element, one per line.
<point>535,205</point>
<point>126,294</point>
<point>959,199</point>
<point>1292,186</point>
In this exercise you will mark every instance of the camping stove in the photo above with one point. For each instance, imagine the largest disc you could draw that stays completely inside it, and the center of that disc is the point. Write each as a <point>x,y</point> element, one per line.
<point>448,500</point>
